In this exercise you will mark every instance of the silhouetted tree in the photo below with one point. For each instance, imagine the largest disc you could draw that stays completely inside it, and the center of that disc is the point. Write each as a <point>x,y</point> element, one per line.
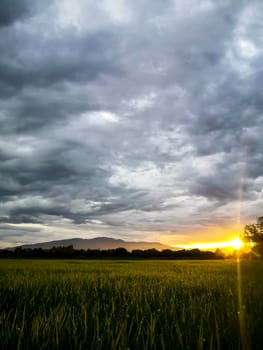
<point>70,253</point>
<point>254,233</point>
<point>121,252</point>
<point>137,253</point>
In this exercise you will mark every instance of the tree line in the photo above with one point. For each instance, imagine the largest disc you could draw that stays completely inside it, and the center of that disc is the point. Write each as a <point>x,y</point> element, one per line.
<point>119,253</point>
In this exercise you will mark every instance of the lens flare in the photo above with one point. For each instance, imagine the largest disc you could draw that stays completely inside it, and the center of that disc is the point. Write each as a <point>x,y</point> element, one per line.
<point>236,243</point>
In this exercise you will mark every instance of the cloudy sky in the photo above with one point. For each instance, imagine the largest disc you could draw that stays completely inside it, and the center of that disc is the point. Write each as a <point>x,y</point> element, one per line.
<point>139,120</point>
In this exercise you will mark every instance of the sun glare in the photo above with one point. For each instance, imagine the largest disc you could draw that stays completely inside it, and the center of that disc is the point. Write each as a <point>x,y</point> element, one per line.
<point>237,243</point>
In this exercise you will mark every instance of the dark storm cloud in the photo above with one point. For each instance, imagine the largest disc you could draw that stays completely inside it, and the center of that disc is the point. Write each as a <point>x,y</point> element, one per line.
<point>223,188</point>
<point>27,60</point>
<point>38,214</point>
<point>12,10</point>
<point>18,218</point>
<point>138,116</point>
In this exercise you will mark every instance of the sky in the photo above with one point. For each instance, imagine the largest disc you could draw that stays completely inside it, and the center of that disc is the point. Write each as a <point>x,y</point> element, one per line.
<point>139,120</point>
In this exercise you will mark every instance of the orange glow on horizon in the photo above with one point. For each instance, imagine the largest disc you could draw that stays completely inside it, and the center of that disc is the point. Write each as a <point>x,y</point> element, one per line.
<point>235,244</point>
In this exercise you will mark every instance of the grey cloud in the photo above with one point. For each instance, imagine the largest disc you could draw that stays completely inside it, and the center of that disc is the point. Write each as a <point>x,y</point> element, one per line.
<point>30,61</point>
<point>217,188</point>
<point>18,218</point>
<point>177,101</point>
<point>20,230</point>
<point>12,10</point>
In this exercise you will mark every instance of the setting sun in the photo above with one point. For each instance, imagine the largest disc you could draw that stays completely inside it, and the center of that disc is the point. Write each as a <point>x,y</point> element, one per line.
<point>237,243</point>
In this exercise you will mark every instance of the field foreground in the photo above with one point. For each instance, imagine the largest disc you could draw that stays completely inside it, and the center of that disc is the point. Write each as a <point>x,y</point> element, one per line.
<point>131,304</point>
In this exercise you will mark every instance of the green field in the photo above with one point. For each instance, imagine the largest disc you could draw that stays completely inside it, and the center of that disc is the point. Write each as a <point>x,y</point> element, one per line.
<point>140,305</point>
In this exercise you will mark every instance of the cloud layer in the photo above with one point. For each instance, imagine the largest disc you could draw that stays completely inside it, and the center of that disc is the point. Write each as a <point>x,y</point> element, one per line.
<point>139,120</point>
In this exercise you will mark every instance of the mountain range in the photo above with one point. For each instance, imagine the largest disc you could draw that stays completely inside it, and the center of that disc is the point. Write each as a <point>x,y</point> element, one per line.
<point>98,243</point>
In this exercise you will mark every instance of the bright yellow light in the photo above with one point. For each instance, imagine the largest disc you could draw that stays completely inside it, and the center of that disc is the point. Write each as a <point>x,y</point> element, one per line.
<point>236,243</point>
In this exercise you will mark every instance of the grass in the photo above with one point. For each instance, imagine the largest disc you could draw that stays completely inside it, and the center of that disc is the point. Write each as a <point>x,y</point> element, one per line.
<point>140,305</point>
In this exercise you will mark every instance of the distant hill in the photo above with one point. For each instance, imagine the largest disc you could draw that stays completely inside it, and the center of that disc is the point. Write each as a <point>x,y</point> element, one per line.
<point>98,243</point>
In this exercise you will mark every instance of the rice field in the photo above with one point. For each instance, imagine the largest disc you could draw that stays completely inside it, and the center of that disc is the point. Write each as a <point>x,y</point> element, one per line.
<point>114,304</point>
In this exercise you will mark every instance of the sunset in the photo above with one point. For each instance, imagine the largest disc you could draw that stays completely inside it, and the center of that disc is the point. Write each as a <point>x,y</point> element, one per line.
<point>136,121</point>
<point>131,174</point>
<point>235,244</point>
